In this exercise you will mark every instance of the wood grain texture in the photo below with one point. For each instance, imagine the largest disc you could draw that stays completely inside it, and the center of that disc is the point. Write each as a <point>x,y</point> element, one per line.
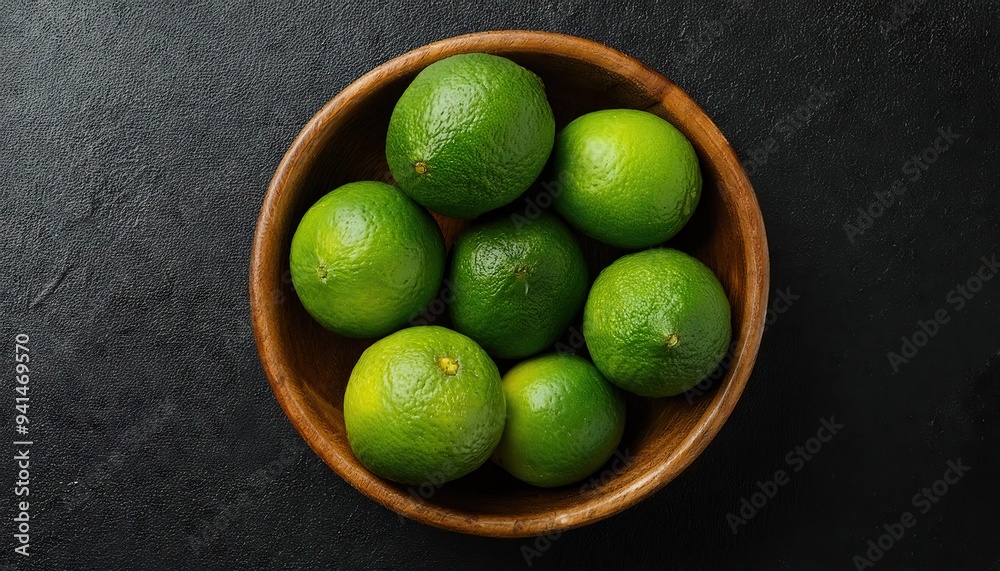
<point>308,367</point>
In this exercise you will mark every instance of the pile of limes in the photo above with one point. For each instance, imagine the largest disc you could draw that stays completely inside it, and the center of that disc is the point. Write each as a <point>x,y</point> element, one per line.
<point>427,404</point>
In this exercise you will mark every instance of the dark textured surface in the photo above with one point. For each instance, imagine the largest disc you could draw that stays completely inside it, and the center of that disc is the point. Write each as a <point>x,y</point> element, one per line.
<point>135,149</point>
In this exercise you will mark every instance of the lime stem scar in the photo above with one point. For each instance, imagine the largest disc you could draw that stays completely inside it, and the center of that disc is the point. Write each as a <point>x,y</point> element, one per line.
<point>448,365</point>
<point>672,340</point>
<point>420,167</point>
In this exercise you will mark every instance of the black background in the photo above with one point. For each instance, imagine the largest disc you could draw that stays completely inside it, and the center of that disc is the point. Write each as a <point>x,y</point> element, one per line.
<point>137,142</point>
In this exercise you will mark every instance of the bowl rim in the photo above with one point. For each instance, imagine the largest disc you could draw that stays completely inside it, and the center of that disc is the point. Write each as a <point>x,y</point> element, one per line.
<point>755,254</point>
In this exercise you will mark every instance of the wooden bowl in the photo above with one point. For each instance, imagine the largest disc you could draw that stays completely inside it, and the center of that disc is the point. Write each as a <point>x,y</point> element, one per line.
<point>308,367</point>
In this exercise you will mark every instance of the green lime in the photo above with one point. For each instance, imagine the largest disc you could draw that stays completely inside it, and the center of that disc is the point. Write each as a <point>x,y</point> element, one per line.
<point>564,420</point>
<point>365,258</point>
<point>516,285</point>
<point>628,178</point>
<point>656,322</point>
<point>470,134</point>
<point>424,404</point>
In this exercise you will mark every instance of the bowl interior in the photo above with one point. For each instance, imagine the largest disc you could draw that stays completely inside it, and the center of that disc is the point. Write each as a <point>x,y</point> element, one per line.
<point>309,366</point>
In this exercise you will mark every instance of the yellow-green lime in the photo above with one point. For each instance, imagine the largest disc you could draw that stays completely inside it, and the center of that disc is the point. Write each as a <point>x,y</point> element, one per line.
<point>516,284</point>
<point>628,178</point>
<point>564,420</point>
<point>470,134</point>
<point>424,404</point>
<point>656,322</point>
<point>365,258</point>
